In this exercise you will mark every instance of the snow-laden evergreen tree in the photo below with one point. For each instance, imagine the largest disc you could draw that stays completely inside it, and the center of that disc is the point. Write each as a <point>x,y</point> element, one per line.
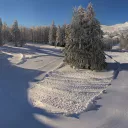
<point>1,43</point>
<point>15,33</point>
<point>59,36</point>
<point>52,34</point>
<point>63,35</point>
<point>84,48</point>
<point>67,36</point>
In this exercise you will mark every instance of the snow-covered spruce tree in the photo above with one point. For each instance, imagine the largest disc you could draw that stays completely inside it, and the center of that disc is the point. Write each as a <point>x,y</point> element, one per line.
<point>52,34</point>
<point>67,35</point>
<point>1,43</point>
<point>63,29</point>
<point>58,36</point>
<point>15,33</point>
<point>84,48</point>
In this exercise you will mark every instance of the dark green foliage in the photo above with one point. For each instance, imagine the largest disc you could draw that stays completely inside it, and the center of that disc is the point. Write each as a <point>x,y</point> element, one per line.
<point>15,33</point>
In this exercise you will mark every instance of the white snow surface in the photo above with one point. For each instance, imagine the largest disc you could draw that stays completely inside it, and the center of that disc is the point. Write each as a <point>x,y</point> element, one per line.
<point>69,91</point>
<point>34,84</point>
<point>20,69</point>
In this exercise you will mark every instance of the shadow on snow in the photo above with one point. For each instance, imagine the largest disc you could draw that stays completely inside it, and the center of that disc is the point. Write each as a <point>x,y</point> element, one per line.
<point>15,109</point>
<point>28,49</point>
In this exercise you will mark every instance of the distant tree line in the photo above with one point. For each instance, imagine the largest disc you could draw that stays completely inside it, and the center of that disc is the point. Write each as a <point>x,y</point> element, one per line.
<point>19,35</point>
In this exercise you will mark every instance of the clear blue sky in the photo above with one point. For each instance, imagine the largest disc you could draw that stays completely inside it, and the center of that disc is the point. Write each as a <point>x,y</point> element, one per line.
<point>42,12</point>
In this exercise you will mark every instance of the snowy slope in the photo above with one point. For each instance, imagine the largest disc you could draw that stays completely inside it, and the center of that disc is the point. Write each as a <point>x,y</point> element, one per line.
<point>70,91</point>
<point>119,28</point>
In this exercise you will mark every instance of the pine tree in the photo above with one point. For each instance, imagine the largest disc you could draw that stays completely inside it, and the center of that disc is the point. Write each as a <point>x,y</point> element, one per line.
<point>1,43</point>
<point>59,36</point>
<point>15,33</point>
<point>63,29</point>
<point>84,48</point>
<point>52,34</point>
<point>5,33</point>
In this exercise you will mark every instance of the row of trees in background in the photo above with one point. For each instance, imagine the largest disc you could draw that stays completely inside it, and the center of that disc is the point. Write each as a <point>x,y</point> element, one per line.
<point>19,35</point>
<point>53,35</point>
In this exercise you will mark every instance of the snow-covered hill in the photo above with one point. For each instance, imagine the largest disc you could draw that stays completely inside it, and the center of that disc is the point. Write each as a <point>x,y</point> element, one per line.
<point>118,28</point>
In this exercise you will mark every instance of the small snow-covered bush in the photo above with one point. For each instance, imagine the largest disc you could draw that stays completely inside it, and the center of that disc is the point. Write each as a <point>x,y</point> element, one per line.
<point>108,42</point>
<point>124,42</point>
<point>116,40</point>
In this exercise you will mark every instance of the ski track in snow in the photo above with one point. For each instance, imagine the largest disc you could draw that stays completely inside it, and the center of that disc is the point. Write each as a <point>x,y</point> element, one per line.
<point>69,91</point>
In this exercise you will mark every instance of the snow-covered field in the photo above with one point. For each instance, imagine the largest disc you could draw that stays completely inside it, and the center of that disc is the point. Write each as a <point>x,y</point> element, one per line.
<point>70,91</point>
<point>34,84</point>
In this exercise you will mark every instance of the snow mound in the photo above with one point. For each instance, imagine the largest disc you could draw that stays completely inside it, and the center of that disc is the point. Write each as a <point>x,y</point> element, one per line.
<point>16,58</point>
<point>69,91</point>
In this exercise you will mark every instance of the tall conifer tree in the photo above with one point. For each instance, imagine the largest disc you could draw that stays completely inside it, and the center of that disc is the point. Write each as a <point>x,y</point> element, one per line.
<point>59,36</point>
<point>52,34</point>
<point>84,48</point>
<point>15,33</point>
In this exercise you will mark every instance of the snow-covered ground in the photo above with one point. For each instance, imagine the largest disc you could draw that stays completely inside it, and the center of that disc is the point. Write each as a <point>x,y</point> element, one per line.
<point>70,91</point>
<point>20,69</point>
<point>33,87</point>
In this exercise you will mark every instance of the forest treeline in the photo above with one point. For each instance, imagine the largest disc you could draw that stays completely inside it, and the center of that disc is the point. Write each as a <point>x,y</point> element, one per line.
<point>19,35</point>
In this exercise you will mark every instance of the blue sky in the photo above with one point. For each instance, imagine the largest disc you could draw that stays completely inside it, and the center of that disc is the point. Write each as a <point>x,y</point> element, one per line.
<point>42,12</point>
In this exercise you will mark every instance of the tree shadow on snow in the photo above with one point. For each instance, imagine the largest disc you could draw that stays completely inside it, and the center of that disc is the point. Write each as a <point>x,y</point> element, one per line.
<point>95,107</point>
<point>17,50</point>
<point>117,67</point>
<point>47,51</point>
<point>116,50</point>
<point>15,109</point>
<point>29,49</point>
